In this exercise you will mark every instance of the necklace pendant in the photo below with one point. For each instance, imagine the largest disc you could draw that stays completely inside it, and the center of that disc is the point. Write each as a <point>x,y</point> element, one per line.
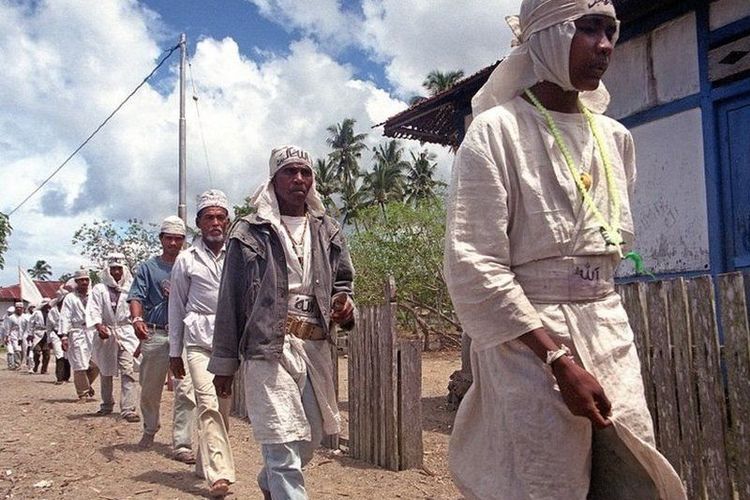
<point>586,180</point>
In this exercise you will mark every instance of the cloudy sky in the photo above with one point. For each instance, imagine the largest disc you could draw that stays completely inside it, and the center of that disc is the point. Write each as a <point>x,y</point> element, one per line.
<point>266,72</point>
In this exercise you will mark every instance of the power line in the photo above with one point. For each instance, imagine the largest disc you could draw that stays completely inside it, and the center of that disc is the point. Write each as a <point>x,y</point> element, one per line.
<point>200,123</point>
<point>169,53</point>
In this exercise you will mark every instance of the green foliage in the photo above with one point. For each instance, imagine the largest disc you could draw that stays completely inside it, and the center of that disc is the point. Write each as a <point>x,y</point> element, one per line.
<point>5,230</point>
<point>407,243</point>
<point>41,270</point>
<point>136,240</point>
<point>244,209</point>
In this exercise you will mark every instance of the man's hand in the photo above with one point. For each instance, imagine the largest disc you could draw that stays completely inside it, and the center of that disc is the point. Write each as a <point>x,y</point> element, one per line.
<point>223,385</point>
<point>102,330</point>
<point>177,367</point>
<point>141,330</point>
<point>64,342</point>
<point>581,392</point>
<point>342,309</point>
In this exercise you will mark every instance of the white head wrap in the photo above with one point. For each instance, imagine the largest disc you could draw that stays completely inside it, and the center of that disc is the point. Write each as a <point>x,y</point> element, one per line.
<point>264,199</point>
<point>11,310</point>
<point>212,198</point>
<point>18,304</point>
<point>172,225</point>
<point>117,260</point>
<point>543,34</point>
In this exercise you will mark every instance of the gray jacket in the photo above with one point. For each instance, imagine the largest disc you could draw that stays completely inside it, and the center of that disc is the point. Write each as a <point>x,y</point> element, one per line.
<point>253,297</point>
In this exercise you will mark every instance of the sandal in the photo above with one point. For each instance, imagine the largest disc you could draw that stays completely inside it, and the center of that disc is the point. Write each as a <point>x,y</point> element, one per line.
<point>186,457</point>
<point>219,489</point>
<point>131,417</point>
<point>102,413</point>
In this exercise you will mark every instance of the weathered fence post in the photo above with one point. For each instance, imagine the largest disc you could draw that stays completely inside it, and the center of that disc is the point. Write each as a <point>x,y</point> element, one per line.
<point>385,380</point>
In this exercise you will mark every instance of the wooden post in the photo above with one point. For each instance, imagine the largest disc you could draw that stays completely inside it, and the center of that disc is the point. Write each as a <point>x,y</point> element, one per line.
<point>733,289</point>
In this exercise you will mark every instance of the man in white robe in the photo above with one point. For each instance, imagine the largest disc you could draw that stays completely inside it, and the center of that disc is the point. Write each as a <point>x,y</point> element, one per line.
<point>16,325</point>
<point>115,342</point>
<point>79,337</point>
<point>40,345</point>
<point>27,340</point>
<point>538,218</point>
<point>62,365</point>
<point>195,282</point>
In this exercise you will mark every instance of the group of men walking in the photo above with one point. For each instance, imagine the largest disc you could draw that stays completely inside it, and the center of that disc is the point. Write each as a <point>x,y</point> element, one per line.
<point>285,277</point>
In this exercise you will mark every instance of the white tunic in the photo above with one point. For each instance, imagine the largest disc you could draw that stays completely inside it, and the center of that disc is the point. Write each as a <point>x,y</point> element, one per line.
<point>15,331</point>
<point>116,317</point>
<point>80,337</point>
<point>194,291</point>
<point>521,253</point>
<point>53,326</point>
<point>37,326</point>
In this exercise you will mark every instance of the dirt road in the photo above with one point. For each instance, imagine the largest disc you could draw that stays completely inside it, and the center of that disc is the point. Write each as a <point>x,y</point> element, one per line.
<point>53,447</point>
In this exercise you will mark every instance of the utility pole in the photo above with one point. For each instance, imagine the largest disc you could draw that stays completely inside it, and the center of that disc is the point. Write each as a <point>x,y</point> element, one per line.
<point>182,206</point>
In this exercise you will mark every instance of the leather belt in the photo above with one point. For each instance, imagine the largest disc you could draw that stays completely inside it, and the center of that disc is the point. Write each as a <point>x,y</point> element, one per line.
<point>304,330</point>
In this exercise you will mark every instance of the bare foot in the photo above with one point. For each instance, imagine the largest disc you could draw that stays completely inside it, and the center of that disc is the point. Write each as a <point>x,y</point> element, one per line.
<point>146,441</point>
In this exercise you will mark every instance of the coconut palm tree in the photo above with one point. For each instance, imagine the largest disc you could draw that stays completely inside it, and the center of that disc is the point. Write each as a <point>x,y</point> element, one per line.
<point>420,181</point>
<point>352,201</point>
<point>41,270</point>
<point>386,181</point>
<point>326,181</point>
<point>347,150</point>
<point>437,81</point>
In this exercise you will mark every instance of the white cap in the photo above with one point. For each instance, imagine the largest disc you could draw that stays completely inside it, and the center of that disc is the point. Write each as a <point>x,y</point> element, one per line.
<point>212,198</point>
<point>172,225</point>
<point>81,274</point>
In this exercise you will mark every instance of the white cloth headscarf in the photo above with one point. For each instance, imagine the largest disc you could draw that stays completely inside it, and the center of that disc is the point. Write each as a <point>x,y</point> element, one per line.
<point>117,260</point>
<point>264,200</point>
<point>543,34</point>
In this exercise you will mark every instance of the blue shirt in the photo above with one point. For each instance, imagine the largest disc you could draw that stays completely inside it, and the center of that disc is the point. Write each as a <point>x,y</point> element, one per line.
<point>151,288</point>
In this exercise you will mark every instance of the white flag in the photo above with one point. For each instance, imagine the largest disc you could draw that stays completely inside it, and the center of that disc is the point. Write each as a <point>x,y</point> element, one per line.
<point>29,291</point>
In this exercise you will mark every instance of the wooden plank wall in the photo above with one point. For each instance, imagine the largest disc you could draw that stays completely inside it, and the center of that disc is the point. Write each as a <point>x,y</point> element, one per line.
<point>385,380</point>
<point>697,387</point>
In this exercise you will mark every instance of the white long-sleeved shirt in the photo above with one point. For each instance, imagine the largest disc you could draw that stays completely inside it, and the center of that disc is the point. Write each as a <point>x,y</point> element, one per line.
<point>16,326</point>
<point>193,295</point>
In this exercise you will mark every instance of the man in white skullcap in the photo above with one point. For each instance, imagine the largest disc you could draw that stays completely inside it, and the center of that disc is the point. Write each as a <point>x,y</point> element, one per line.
<point>148,301</point>
<point>62,365</point>
<point>14,326</point>
<point>192,309</point>
<point>538,220</point>
<point>40,344</point>
<point>287,278</point>
<point>115,341</point>
<point>79,337</point>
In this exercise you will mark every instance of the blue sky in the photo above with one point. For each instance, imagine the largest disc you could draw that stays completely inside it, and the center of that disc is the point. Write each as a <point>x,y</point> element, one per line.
<point>267,72</point>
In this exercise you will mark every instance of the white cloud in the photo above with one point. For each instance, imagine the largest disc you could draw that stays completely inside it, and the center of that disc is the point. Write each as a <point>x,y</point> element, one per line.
<point>68,63</point>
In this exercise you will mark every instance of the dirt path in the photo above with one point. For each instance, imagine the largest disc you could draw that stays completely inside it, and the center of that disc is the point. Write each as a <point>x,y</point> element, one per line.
<point>52,447</point>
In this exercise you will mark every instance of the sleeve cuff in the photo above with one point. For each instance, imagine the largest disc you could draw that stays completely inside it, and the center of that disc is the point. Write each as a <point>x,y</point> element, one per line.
<point>223,366</point>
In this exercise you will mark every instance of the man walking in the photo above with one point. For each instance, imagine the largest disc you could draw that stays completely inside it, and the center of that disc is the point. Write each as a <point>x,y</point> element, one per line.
<point>40,343</point>
<point>115,341</point>
<point>78,337</point>
<point>287,276</point>
<point>62,365</point>
<point>15,327</point>
<point>192,309</point>
<point>148,301</point>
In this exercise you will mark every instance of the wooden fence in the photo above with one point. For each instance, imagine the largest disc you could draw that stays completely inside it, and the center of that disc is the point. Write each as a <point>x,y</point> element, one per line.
<point>385,390</point>
<point>697,387</point>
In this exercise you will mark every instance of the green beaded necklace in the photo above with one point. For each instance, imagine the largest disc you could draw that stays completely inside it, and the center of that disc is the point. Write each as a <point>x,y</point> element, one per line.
<point>610,230</point>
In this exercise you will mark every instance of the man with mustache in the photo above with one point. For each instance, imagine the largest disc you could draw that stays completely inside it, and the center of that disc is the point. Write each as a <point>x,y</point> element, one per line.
<point>192,309</point>
<point>287,278</point>
<point>538,220</point>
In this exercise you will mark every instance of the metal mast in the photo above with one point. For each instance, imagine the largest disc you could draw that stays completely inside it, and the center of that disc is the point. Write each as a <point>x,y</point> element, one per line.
<point>182,206</point>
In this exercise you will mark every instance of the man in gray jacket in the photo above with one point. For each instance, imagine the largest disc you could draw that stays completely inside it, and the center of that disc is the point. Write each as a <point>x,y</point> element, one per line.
<point>287,278</point>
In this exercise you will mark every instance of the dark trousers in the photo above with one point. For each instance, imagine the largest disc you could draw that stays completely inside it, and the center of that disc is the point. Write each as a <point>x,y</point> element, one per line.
<point>62,370</point>
<point>41,355</point>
